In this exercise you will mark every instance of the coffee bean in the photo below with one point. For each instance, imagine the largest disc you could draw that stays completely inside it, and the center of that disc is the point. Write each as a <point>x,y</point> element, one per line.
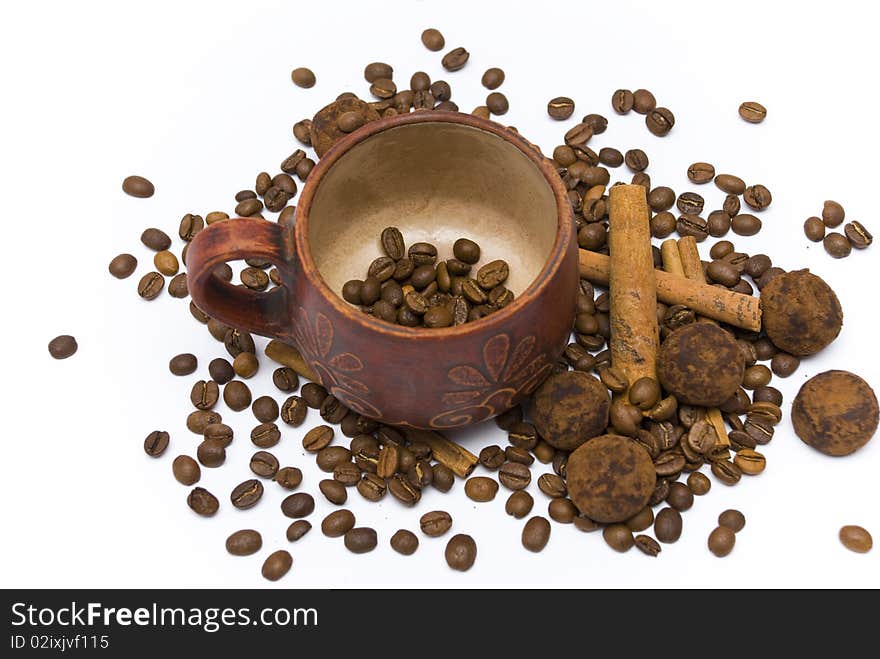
<point>497,103</point>
<point>329,458</point>
<point>276,565</point>
<point>404,542</point>
<point>536,534</point>
<point>702,172</point>
<point>216,216</point>
<point>298,505</point>
<point>265,465</point>
<point>757,197</point>
<point>138,186</point>
<point>562,510</point>
<point>62,347</point>
<point>837,245</point>
<point>334,491</point>
<point>122,266</point>
<point>727,472</point>
<point>204,394</point>
<point>618,537</point>
<point>643,101</point>
<point>156,239</point>
<point>211,452</point>
<point>186,470</point>
<point>833,214</point>
<point>298,529</point>
<point>560,108</point>
<point>244,542</point>
<point>636,160</point>
<point>753,112</point>
<point>435,523</point>
<point>667,525</point>
<point>733,520</point>
<point>219,432</point>
<point>622,101</point>
<point>200,419</point>
<point>745,224</point>
<point>519,504</point>
<point>721,541</point>
<point>247,494</point>
<point>461,552</point>
<point>293,411</point>
<point>513,476</point>
<point>302,131</point>
<point>455,59</point>
<point>150,285</point>
<point>699,483</point>
<point>338,523</point>
<point>663,224</point>
<point>360,540</point>
<point>641,520</point>
<point>492,274</point>
<point>858,236</point>
<point>690,203</point>
<point>265,435</point>
<point>202,502</point>
<point>481,488</point>
<point>287,477</point>
<point>313,394</point>
<point>303,77</point>
<point>347,473</point>
<point>156,443</point>
<point>856,539</point>
<point>660,121</point>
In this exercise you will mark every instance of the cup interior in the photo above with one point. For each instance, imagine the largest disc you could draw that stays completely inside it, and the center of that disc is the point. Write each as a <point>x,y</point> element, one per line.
<point>436,182</point>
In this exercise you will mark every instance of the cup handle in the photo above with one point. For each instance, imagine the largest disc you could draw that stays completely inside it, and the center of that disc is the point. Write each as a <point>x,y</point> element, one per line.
<point>259,312</point>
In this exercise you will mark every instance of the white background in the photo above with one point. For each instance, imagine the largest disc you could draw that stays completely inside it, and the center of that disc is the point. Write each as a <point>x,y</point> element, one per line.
<point>197,97</point>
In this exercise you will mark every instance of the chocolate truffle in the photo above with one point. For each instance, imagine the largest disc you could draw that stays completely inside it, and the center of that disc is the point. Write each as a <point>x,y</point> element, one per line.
<point>801,314</point>
<point>569,408</point>
<point>610,478</point>
<point>700,364</point>
<point>835,412</point>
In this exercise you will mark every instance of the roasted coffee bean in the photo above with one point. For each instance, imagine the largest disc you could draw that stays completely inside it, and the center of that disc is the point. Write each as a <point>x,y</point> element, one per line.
<point>692,225</point>
<point>536,534</point>
<point>338,523</point>
<point>254,278</point>
<point>481,488</point>
<point>350,121</point>
<point>265,465</point>
<point>577,136</point>
<point>211,452</point>
<point>371,487</point>
<point>701,172</point>
<point>334,491</point>
<point>265,435</point>
<point>610,157</point>
<point>833,214</point>
<point>699,483</point>
<point>718,224</point>
<point>435,523</point>
<point>245,365</point>
<point>288,477</point>
<point>837,245</point>
<point>360,540</point>
<point>745,224</point>
<point>497,103</point>
<point>680,497</point>
<point>721,541</point>
<point>404,542</point>
<point>461,552</point>
<point>293,411</point>
<point>492,457</point>
<point>137,186</point>
<point>597,123</point>
<point>519,504</point>
<point>422,254</point>
<point>455,59</point>
<point>177,287</point>
<point>750,462</point>
<point>122,266</point>
<point>662,224</point>
<point>513,476</point>
<point>757,197</point>
<point>660,121</point>
<point>618,537</point>
<point>317,438</point>
<point>523,435</point>
<point>404,491</point>
<point>625,418</point>
<point>690,203</point>
<point>858,236</point>
<point>392,243</point>
<point>202,502</point>
<point>277,564</point>
<point>636,160</point>
<point>183,364</point>
<point>855,538</point>
<point>298,505</point>
<point>244,542</point>
<point>562,510</point>
<point>443,478</point>
<point>661,199</point>
<point>560,108</point>
<point>622,101</point>
<point>150,285</point>
<point>302,130</point>
<point>200,419</point>
<point>247,494</point>
<point>783,364</point>
<point>641,520</point>
<point>643,101</point>
<point>667,525</point>
<point>492,274</point>
<point>249,207</point>
<point>756,376</point>
<point>329,458</point>
<point>313,394</point>
<point>376,70</point>
<point>219,432</point>
<point>156,443</point>
<point>420,474</point>
<point>647,545</point>
<point>186,470</point>
<point>552,485</point>
<point>753,112</point>
<point>644,392</point>
<point>380,88</point>
<point>204,395</point>
<point>727,472</point>
<point>303,77</point>
<point>298,529</point>
<point>347,473</point>
<point>216,216</point>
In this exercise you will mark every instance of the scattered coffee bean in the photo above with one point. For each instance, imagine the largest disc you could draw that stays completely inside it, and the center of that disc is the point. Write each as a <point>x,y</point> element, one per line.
<point>62,347</point>
<point>856,539</point>
<point>138,186</point>
<point>461,552</point>
<point>703,172</point>
<point>202,502</point>
<point>721,541</point>
<point>186,470</point>
<point>699,483</point>
<point>560,108</point>
<point>745,224</point>
<point>150,285</point>
<point>536,534</point>
<point>837,245</point>
<point>298,529</point>
<point>858,236</point>
<point>622,101</point>
<point>753,112</point>
<point>360,540</point>
<point>303,77</point>
<point>643,101</point>
<point>757,197</point>
<point>732,519</point>
<point>276,565</point>
<point>667,525</point>
<point>497,103</point>
<point>246,494</point>
<point>436,523</point>
<point>123,266</point>
<point>334,491</point>
<point>455,59</point>
<point>833,214</point>
<point>519,504</point>
<point>298,505</point>
<point>404,542</point>
<point>618,537</point>
<point>156,239</point>
<point>432,39</point>
<point>265,465</point>
<point>481,488</point>
<point>156,443</point>
<point>660,121</point>
<point>338,523</point>
<point>244,542</point>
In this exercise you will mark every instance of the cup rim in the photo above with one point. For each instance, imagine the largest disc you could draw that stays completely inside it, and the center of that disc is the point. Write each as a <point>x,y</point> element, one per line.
<point>491,322</point>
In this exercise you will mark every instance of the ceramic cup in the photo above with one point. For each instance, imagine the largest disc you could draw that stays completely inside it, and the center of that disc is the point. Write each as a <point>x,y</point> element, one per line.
<point>437,176</point>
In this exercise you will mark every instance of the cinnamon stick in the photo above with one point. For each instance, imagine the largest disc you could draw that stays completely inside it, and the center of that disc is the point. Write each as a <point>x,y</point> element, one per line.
<point>711,301</point>
<point>693,268</point>
<point>632,286</point>
<point>671,257</point>
<point>286,355</point>
<point>445,451</point>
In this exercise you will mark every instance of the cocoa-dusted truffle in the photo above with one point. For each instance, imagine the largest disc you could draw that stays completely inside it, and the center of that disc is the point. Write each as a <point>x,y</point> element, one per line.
<point>700,364</point>
<point>835,412</point>
<point>801,314</point>
<point>569,408</point>
<point>610,478</point>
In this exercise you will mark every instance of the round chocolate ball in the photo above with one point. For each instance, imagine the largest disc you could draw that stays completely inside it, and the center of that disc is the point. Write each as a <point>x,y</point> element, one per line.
<point>610,478</point>
<point>569,408</point>
<point>700,364</point>
<point>835,412</point>
<point>801,314</point>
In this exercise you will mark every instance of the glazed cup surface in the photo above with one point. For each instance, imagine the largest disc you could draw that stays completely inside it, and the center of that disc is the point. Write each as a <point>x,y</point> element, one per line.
<point>437,176</point>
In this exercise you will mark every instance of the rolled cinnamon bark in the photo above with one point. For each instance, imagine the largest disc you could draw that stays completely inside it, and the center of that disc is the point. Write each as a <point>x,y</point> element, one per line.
<point>632,286</point>
<point>671,257</point>
<point>445,451</point>
<point>726,306</point>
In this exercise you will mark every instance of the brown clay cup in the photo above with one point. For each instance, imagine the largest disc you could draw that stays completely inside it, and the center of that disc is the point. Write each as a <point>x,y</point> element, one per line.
<point>437,176</point>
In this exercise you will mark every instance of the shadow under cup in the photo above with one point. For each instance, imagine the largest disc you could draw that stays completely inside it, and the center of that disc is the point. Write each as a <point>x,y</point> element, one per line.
<point>436,182</point>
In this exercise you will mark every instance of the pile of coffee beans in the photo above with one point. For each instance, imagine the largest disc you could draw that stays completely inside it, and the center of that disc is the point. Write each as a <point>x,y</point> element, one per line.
<point>838,245</point>
<point>411,287</point>
<point>707,418</point>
